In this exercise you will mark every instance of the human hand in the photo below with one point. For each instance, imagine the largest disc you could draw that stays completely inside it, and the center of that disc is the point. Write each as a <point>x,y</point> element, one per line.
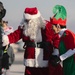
<point>54,60</point>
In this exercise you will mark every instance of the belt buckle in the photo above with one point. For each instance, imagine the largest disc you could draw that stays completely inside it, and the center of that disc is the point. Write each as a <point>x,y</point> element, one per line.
<point>38,45</point>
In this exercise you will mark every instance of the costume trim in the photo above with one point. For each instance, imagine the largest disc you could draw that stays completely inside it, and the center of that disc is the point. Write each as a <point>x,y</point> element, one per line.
<point>28,16</point>
<point>38,61</point>
<point>66,55</point>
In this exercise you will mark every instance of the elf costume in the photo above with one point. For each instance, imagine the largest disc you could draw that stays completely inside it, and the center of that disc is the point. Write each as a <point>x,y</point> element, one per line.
<point>38,44</point>
<point>67,41</point>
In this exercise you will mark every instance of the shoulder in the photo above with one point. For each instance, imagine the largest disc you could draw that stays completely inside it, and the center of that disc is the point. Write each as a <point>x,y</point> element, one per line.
<point>48,24</point>
<point>69,39</point>
<point>20,26</point>
<point>69,33</point>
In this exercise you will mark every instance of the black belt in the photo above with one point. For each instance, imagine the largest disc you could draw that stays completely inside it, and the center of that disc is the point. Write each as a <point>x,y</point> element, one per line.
<point>32,44</point>
<point>39,44</point>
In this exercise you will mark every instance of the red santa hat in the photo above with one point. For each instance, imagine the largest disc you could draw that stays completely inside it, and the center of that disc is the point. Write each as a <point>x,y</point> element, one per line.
<point>31,13</point>
<point>60,15</point>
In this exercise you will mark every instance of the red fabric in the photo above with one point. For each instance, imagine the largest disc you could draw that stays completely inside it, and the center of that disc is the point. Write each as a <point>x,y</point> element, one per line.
<point>47,35</point>
<point>14,37</point>
<point>29,53</point>
<point>31,11</point>
<point>50,36</point>
<point>57,70</point>
<point>36,71</point>
<point>70,44</point>
<point>58,21</point>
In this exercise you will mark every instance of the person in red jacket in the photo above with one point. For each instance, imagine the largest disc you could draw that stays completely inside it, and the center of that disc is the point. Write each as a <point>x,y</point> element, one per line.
<point>39,41</point>
<point>67,40</point>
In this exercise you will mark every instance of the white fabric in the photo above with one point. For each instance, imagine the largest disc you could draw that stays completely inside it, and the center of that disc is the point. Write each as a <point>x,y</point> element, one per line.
<point>38,61</point>
<point>5,40</point>
<point>67,54</point>
<point>55,52</point>
<point>61,32</point>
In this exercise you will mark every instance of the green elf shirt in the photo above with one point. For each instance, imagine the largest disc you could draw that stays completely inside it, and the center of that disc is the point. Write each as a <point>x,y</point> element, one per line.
<point>67,43</point>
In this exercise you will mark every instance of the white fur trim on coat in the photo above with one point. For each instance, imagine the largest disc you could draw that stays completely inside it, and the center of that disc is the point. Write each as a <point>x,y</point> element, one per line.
<point>5,40</point>
<point>28,16</point>
<point>38,61</point>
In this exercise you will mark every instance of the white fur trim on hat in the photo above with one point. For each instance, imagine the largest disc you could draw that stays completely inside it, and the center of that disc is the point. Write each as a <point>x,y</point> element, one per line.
<point>28,16</point>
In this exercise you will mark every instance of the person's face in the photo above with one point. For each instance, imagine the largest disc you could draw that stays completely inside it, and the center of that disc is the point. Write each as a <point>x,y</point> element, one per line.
<point>27,20</point>
<point>55,28</point>
<point>4,24</point>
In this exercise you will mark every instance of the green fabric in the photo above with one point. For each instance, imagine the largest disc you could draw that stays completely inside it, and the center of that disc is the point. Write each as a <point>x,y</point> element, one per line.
<point>60,12</point>
<point>69,63</point>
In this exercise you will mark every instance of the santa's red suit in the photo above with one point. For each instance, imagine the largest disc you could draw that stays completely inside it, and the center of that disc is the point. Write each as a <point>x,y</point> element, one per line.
<point>38,51</point>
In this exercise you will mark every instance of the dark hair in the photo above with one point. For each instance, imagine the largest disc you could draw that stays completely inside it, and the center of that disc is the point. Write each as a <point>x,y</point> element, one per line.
<point>60,26</point>
<point>5,21</point>
<point>1,3</point>
<point>2,11</point>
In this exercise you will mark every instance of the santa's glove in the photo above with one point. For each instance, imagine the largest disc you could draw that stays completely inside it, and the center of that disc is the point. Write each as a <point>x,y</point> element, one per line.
<point>5,40</point>
<point>54,60</point>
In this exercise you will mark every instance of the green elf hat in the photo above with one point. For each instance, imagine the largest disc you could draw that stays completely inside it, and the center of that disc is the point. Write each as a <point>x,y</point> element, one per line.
<point>60,15</point>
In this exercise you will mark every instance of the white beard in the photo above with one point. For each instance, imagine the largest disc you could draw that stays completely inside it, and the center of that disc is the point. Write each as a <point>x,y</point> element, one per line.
<point>33,28</point>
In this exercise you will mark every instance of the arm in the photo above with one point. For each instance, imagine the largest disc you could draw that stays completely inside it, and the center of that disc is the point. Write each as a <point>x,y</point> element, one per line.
<point>12,37</point>
<point>15,36</point>
<point>66,55</point>
<point>52,38</point>
<point>69,42</point>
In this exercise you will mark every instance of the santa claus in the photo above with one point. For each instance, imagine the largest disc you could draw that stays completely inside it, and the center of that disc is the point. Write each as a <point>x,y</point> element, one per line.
<point>39,41</point>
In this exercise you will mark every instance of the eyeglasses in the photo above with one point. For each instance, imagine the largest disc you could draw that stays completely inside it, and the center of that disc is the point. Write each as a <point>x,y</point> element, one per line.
<point>5,21</point>
<point>27,20</point>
